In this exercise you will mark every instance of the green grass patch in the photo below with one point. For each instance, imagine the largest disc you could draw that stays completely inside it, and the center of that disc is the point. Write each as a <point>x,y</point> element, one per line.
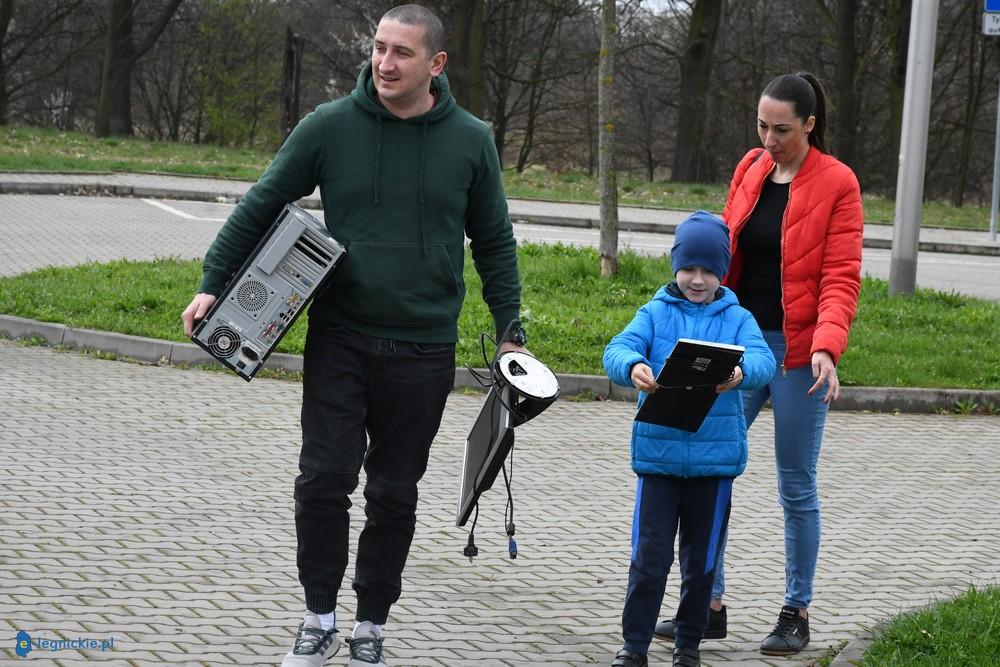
<point>34,149</point>
<point>931,339</point>
<point>39,149</point>
<point>960,633</point>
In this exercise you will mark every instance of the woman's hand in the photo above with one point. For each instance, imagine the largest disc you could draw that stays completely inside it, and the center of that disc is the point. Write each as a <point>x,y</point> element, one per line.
<point>733,381</point>
<point>825,371</point>
<point>643,379</point>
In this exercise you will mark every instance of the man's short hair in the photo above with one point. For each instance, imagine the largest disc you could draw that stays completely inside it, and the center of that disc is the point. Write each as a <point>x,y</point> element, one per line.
<point>419,15</point>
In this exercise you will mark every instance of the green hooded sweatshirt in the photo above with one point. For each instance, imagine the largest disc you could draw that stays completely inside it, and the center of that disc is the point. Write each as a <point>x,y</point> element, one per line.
<point>401,195</point>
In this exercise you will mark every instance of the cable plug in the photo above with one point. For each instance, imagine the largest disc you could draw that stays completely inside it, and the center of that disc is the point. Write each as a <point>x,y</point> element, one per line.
<point>511,542</point>
<point>470,549</point>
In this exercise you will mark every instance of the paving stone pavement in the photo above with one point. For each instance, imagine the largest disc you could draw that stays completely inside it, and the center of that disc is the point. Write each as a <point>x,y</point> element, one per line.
<point>153,505</point>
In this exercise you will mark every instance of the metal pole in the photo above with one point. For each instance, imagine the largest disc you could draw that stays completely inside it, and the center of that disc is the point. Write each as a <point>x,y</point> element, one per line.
<point>913,147</point>
<point>996,174</point>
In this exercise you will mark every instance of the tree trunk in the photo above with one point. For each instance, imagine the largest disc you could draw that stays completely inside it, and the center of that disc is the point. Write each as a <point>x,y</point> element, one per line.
<point>465,62</point>
<point>114,107</point>
<point>974,93</point>
<point>606,143</point>
<point>692,161</point>
<point>847,64</point>
<point>291,81</point>
<point>6,13</point>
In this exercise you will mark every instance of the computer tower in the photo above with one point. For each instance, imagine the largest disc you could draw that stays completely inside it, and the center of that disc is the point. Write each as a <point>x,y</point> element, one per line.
<point>286,270</point>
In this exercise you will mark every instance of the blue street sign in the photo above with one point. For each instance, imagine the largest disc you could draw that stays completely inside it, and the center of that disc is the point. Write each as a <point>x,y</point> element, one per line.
<point>992,5</point>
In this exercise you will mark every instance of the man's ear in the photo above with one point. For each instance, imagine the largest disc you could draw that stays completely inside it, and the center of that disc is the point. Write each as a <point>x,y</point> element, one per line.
<point>437,62</point>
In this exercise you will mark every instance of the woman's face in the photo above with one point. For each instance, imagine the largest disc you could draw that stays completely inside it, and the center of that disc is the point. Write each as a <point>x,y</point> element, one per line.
<point>783,134</point>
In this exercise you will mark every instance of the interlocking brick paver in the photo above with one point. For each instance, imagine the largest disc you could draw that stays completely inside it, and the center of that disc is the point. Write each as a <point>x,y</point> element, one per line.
<point>152,504</point>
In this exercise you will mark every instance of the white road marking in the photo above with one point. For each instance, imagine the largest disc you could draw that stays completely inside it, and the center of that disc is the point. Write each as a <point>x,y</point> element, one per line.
<point>179,213</point>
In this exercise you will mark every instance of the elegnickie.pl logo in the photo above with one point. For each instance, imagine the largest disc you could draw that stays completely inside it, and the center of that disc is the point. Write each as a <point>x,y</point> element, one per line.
<point>24,644</point>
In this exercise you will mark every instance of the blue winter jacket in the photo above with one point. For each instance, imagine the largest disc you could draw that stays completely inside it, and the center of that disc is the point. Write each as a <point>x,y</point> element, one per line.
<point>719,448</point>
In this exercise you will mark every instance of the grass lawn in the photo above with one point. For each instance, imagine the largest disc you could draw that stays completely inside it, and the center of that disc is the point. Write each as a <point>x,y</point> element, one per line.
<point>962,632</point>
<point>34,149</point>
<point>928,340</point>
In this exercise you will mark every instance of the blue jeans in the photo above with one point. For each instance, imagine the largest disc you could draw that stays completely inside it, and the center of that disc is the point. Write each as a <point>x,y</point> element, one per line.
<point>798,434</point>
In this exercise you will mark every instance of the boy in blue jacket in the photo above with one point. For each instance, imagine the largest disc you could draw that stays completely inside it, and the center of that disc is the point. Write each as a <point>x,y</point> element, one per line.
<point>685,479</point>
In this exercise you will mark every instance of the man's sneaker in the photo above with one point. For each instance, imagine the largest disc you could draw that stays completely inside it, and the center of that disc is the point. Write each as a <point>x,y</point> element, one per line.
<point>629,659</point>
<point>366,647</point>
<point>687,657</point>
<point>716,626</point>
<point>790,634</point>
<point>313,644</point>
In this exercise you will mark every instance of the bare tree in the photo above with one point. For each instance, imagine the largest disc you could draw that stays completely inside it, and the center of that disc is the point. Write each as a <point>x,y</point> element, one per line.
<point>606,160</point>
<point>114,108</point>
<point>465,54</point>
<point>692,162</point>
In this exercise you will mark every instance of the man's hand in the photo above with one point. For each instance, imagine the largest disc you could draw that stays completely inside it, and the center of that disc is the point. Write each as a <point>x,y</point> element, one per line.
<point>643,378</point>
<point>196,311</point>
<point>510,346</point>
<point>731,382</point>
<point>825,371</point>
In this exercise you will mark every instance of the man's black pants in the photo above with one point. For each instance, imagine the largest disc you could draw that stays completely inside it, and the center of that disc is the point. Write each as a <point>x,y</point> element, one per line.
<point>375,402</point>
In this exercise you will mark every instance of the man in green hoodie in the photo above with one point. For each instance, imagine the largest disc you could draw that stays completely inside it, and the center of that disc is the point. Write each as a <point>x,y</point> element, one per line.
<point>405,175</point>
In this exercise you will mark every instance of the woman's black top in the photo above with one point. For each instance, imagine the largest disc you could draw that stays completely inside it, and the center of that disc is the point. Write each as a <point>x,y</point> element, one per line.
<point>759,290</point>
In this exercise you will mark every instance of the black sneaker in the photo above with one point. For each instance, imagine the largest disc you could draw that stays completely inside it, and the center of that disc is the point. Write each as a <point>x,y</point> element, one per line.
<point>716,626</point>
<point>313,644</point>
<point>790,634</point>
<point>687,657</point>
<point>628,659</point>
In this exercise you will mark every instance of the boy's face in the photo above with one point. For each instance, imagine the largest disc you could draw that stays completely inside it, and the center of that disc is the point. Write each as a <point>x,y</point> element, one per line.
<point>698,285</point>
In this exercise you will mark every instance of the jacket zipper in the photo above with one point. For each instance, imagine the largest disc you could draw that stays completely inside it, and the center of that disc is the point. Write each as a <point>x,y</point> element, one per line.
<point>781,277</point>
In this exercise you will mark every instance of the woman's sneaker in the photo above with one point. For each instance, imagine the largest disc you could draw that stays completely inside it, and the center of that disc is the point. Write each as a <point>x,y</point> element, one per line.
<point>366,647</point>
<point>790,634</point>
<point>717,626</point>
<point>626,658</point>
<point>313,644</point>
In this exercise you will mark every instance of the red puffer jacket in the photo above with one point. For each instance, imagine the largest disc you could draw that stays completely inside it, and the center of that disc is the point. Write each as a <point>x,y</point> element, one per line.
<point>821,235</point>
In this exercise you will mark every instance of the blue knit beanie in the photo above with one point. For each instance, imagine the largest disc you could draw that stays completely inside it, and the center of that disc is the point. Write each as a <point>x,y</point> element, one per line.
<point>701,240</point>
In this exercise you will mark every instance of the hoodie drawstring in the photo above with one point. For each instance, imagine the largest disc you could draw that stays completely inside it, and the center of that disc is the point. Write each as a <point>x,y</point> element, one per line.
<point>420,184</point>
<point>378,151</point>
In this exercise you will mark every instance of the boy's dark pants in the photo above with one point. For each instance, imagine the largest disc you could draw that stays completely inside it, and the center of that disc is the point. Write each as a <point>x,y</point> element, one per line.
<point>700,505</point>
<point>394,393</point>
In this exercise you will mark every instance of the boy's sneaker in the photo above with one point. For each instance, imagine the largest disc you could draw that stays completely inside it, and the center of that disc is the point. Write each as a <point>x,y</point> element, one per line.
<point>687,657</point>
<point>313,644</point>
<point>790,634</point>
<point>716,629</point>
<point>629,659</point>
<point>366,647</point>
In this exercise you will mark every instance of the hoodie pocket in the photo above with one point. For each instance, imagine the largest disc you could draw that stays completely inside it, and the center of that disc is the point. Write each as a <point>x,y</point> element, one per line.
<point>399,283</point>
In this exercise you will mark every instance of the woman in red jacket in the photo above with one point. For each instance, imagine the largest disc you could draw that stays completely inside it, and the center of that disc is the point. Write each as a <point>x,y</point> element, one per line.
<point>796,222</point>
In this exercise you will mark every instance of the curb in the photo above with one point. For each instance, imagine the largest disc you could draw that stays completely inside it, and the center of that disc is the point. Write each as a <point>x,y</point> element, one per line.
<point>151,350</point>
<point>98,188</point>
<point>854,652</point>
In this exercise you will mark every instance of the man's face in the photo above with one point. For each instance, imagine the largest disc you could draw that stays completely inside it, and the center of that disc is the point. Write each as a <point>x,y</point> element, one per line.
<point>402,67</point>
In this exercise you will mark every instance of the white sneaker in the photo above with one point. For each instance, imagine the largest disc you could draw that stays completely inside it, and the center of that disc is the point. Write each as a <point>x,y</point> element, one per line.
<point>313,644</point>
<point>366,647</point>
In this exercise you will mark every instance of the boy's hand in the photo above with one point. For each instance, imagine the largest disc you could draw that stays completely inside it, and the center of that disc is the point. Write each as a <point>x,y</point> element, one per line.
<point>731,382</point>
<point>643,379</point>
